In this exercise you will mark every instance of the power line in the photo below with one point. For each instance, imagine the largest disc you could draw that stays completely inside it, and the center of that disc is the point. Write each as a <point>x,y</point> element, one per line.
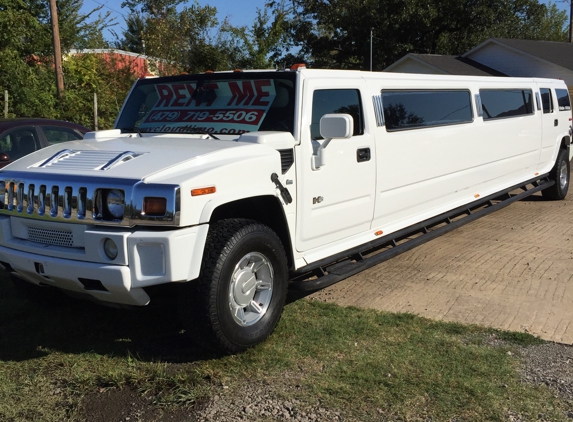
<point>104,5</point>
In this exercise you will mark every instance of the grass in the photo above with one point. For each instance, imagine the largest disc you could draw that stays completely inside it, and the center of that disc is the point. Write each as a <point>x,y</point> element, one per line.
<point>369,365</point>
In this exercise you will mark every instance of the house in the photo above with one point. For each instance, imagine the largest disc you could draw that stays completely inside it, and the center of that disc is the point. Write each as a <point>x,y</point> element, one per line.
<point>141,65</point>
<point>440,65</point>
<point>498,56</point>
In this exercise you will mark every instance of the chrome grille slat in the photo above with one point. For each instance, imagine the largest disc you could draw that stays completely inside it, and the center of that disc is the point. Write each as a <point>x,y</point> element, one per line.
<point>53,201</point>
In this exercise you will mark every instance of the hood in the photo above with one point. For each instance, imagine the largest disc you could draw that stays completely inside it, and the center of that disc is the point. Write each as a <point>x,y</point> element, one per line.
<point>132,157</point>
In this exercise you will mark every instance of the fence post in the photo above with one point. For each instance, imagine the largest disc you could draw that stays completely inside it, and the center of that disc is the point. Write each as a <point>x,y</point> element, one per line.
<point>95,111</point>
<point>5,103</point>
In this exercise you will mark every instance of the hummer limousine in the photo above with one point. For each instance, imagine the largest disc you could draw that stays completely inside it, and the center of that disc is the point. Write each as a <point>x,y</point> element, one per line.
<point>233,186</point>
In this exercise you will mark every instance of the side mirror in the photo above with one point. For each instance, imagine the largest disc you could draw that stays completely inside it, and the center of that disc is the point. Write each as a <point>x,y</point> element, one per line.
<point>332,126</point>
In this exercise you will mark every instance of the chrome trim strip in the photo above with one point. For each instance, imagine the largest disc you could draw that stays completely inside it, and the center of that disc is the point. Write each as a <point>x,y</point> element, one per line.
<point>124,156</point>
<point>56,157</point>
<point>378,110</point>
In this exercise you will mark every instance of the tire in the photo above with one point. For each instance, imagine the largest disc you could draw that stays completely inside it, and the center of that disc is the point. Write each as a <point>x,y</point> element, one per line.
<point>560,174</point>
<point>238,299</point>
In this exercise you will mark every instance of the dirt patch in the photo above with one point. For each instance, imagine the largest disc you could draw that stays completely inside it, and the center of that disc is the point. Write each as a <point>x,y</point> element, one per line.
<point>119,405</point>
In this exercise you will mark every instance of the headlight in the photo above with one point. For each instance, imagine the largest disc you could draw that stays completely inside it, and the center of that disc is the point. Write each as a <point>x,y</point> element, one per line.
<point>109,204</point>
<point>115,203</point>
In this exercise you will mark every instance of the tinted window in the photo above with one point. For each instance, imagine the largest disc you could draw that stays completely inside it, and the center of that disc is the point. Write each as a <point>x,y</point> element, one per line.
<point>415,109</point>
<point>55,134</point>
<point>546,100</point>
<point>563,99</point>
<point>499,103</point>
<point>344,101</point>
<point>18,142</point>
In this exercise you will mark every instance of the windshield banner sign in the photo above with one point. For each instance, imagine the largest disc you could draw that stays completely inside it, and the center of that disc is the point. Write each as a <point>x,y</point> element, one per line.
<point>214,107</point>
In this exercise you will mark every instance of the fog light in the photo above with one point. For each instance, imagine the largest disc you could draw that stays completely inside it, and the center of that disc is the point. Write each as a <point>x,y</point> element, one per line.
<point>110,248</point>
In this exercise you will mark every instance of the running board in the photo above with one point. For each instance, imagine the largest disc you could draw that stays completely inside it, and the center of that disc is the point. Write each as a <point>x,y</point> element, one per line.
<point>336,268</point>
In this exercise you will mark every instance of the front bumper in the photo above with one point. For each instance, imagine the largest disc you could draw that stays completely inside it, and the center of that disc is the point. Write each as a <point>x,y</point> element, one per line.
<point>145,258</point>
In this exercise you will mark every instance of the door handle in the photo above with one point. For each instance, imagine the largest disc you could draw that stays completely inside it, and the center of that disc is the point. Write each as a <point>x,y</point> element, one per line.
<point>555,122</point>
<point>362,154</point>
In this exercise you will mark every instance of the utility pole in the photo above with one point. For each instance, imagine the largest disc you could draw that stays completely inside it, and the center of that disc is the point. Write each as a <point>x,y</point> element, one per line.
<point>371,29</point>
<point>571,23</point>
<point>57,50</point>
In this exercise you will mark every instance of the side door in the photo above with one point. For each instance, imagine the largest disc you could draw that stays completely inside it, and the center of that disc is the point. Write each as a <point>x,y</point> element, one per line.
<point>335,201</point>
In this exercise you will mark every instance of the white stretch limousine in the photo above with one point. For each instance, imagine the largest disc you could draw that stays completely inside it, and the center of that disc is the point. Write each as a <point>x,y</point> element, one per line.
<point>231,186</point>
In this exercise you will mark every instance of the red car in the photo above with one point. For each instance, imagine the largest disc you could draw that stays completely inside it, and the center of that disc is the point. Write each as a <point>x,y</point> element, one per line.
<point>19,137</point>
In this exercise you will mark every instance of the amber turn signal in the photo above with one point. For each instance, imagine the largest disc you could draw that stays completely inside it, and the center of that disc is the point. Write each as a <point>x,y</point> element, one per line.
<point>154,206</point>
<point>203,191</point>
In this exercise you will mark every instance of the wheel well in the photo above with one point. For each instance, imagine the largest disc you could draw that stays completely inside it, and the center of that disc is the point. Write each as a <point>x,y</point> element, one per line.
<point>565,142</point>
<point>264,209</point>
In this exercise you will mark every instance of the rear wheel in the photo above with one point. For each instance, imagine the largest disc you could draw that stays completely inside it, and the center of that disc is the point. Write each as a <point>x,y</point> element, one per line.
<point>560,174</point>
<point>239,296</point>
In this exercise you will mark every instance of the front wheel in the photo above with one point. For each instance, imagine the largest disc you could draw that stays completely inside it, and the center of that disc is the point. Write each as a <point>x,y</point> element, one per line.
<point>560,174</point>
<point>238,299</point>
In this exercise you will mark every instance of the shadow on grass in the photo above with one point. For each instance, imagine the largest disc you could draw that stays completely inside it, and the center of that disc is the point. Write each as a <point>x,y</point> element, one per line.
<point>151,333</point>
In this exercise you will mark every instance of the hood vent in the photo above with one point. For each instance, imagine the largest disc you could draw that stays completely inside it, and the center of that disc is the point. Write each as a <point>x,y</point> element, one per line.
<point>84,160</point>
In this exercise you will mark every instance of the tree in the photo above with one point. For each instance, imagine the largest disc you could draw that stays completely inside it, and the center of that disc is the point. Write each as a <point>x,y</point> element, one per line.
<point>158,29</point>
<point>27,70</point>
<point>257,47</point>
<point>336,33</point>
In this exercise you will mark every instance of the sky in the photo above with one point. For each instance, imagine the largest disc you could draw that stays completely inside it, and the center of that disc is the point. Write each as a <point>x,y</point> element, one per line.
<point>239,12</point>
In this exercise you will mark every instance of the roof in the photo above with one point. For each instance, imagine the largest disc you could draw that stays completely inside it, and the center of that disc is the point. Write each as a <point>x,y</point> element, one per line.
<point>22,121</point>
<point>559,53</point>
<point>453,65</point>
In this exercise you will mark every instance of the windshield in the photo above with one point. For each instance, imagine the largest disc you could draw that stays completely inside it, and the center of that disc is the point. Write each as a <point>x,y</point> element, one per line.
<point>226,103</point>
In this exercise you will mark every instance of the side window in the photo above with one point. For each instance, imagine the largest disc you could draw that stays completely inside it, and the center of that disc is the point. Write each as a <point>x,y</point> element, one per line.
<point>56,134</point>
<point>411,109</point>
<point>563,99</point>
<point>344,101</point>
<point>546,100</point>
<point>500,103</point>
<point>19,142</point>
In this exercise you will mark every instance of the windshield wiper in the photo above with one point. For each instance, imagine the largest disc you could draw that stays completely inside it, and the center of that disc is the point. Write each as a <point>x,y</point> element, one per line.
<point>195,131</point>
<point>132,130</point>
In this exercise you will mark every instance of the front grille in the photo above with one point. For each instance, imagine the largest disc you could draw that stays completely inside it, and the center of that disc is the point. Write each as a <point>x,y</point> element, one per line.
<point>68,199</point>
<point>54,201</point>
<point>51,237</point>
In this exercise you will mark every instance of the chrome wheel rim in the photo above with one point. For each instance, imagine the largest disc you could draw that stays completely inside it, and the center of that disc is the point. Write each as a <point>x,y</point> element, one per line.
<point>251,289</point>
<point>563,176</point>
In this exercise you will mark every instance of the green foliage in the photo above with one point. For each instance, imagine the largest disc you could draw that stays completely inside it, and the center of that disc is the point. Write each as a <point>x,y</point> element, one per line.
<point>25,27</point>
<point>27,69</point>
<point>87,74</point>
<point>257,47</point>
<point>337,33</point>
<point>32,91</point>
<point>157,29</point>
<point>30,85</point>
